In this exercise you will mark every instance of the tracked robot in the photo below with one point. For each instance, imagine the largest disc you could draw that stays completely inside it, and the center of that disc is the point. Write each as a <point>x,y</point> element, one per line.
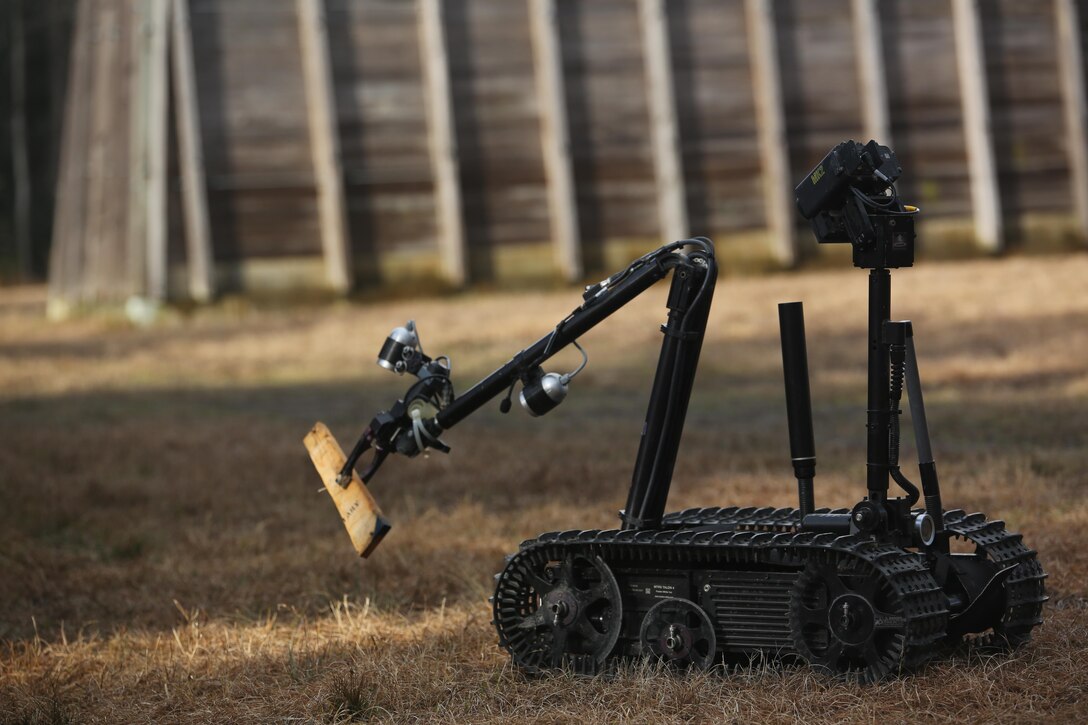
<point>865,593</point>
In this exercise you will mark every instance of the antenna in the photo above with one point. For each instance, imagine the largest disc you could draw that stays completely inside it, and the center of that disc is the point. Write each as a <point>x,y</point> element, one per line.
<point>791,322</point>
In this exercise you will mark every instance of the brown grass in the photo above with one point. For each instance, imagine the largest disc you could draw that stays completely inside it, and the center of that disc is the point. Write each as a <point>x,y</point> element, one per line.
<point>165,555</point>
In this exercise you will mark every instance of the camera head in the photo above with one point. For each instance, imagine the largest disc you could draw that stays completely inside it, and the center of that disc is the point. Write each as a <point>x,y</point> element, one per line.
<point>850,197</point>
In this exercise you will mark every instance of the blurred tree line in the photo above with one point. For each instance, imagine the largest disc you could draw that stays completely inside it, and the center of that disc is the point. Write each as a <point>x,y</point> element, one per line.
<point>34,56</point>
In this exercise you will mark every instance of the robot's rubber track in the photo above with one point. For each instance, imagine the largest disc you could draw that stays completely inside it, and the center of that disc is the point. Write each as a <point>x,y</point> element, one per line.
<point>766,536</point>
<point>1025,592</point>
<point>918,598</point>
<point>750,518</point>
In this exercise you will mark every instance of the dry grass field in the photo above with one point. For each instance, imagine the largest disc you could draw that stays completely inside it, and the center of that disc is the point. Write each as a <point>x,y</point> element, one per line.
<point>166,554</point>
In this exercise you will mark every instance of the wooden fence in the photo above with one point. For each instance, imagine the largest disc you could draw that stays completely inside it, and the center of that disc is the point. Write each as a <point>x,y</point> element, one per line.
<point>34,40</point>
<point>223,144</point>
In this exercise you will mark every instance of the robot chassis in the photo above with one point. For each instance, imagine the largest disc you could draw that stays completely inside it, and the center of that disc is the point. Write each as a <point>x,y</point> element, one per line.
<point>864,593</point>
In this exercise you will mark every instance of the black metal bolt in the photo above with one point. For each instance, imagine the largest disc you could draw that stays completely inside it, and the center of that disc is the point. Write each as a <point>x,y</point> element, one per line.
<point>559,610</point>
<point>846,620</point>
<point>863,517</point>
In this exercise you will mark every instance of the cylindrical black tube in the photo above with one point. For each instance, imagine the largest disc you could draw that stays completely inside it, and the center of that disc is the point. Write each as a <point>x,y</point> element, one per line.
<point>877,417</point>
<point>791,322</point>
<point>635,512</point>
<point>826,523</point>
<point>931,490</point>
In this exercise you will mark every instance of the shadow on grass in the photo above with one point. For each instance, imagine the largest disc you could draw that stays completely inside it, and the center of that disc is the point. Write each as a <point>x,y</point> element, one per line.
<point>122,507</point>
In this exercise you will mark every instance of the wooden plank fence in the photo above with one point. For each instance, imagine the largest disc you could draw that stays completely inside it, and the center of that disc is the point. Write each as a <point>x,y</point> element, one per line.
<point>341,144</point>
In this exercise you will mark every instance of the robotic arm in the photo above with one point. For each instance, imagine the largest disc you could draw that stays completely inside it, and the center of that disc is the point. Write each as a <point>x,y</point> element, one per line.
<point>430,406</point>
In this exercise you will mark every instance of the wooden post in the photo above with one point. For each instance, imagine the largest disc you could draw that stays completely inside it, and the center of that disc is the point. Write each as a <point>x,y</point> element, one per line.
<point>58,11</point>
<point>156,136</point>
<point>99,253</point>
<point>138,90</point>
<point>869,42</point>
<point>19,157</point>
<point>773,143</point>
<point>668,168</point>
<point>971,63</point>
<point>325,143</point>
<point>65,257</point>
<point>1071,68</point>
<point>191,155</point>
<point>554,137</point>
<point>443,140</point>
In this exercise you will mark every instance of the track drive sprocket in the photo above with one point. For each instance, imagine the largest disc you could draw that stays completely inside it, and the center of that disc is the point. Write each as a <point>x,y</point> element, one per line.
<point>557,609</point>
<point>847,620</point>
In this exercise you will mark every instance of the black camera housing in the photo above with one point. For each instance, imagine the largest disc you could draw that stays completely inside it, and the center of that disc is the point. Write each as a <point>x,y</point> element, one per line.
<point>850,198</point>
<point>869,168</point>
<point>888,243</point>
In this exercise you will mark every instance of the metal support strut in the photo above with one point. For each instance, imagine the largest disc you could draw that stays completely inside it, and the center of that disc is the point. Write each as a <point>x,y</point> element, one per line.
<point>878,416</point>
<point>927,468</point>
<point>689,305</point>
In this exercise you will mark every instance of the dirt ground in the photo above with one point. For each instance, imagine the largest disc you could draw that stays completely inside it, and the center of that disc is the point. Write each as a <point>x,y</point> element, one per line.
<point>166,554</point>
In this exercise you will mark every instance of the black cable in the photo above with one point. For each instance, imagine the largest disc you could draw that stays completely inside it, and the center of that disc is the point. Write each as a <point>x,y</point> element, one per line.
<point>710,269</point>
<point>504,406</point>
<point>415,390</point>
<point>888,200</point>
<point>882,207</point>
<point>893,462</point>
